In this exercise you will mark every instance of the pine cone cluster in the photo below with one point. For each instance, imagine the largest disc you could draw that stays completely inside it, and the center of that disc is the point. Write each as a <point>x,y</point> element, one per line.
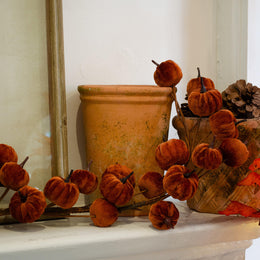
<point>243,99</point>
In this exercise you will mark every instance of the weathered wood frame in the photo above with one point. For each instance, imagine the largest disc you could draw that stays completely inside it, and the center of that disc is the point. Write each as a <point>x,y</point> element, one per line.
<point>57,93</point>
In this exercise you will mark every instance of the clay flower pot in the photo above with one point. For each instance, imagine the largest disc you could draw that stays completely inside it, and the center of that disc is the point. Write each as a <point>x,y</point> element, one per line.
<point>217,188</point>
<point>124,124</point>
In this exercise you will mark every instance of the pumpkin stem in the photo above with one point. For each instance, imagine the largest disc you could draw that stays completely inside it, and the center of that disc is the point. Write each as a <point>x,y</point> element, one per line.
<point>157,64</point>
<point>68,178</point>
<point>22,197</point>
<point>198,72</point>
<point>241,121</point>
<point>188,174</point>
<point>123,180</point>
<point>167,222</point>
<point>24,161</point>
<point>203,89</point>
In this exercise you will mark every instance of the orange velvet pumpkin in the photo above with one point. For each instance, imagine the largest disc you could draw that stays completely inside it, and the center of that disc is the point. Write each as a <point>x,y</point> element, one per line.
<point>206,157</point>
<point>234,152</point>
<point>117,184</point>
<point>173,151</point>
<point>103,213</point>
<point>61,192</point>
<point>7,154</point>
<point>167,74</point>
<point>27,204</point>
<point>163,215</point>
<point>204,103</point>
<point>151,184</point>
<point>195,84</point>
<point>180,183</point>
<point>13,176</point>
<point>86,181</point>
<point>223,124</point>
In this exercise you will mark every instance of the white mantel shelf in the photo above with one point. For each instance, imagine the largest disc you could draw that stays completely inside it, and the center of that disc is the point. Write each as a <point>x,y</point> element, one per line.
<point>196,236</point>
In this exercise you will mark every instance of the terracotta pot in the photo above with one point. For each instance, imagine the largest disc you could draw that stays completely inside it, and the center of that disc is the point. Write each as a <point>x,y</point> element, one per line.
<point>124,124</point>
<point>218,187</point>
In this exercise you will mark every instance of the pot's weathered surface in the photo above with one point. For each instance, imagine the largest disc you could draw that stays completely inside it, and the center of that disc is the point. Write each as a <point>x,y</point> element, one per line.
<point>124,124</point>
<point>218,187</point>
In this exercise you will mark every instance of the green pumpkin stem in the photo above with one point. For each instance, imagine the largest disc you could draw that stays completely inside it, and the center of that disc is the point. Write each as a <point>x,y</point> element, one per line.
<point>203,89</point>
<point>68,178</point>
<point>241,121</point>
<point>154,62</point>
<point>24,161</point>
<point>123,180</point>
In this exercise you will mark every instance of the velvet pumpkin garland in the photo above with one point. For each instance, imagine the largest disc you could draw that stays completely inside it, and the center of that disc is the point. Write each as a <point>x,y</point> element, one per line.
<point>7,154</point>
<point>103,213</point>
<point>13,176</point>
<point>195,84</point>
<point>117,184</point>
<point>206,156</point>
<point>180,183</point>
<point>27,204</point>
<point>61,192</point>
<point>163,215</point>
<point>167,73</point>
<point>151,184</point>
<point>205,103</point>
<point>173,151</point>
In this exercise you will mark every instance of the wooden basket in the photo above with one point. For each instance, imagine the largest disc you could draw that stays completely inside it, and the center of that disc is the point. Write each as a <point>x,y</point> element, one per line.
<point>218,187</point>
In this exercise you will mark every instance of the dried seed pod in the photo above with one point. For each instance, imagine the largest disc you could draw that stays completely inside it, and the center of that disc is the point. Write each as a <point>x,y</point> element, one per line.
<point>163,215</point>
<point>151,184</point>
<point>206,157</point>
<point>13,176</point>
<point>117,184</point>
<point>167,74</point>
<point>7,154</point>
<point>234,152</point>
<point>86,181</point>
<point>103,213</point>
<point>61,192</point>
<point>27,204</point>
<point>180,183</point>
<point>174,151</point>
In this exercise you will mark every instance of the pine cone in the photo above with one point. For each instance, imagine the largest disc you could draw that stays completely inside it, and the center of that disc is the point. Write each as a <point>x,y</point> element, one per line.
<point>243,99</point>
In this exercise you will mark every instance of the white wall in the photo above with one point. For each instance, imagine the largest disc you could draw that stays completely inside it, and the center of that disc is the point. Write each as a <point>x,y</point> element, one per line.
<point>113,42</point>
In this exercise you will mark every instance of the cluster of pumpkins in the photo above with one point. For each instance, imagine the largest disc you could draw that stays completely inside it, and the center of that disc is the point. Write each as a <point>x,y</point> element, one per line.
<point>118,181</point>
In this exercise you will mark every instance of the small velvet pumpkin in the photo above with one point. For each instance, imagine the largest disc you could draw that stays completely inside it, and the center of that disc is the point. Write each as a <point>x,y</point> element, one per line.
<point>61,192</point>
<point>173,151</point>
<point>205,103</point>
<point>163,215</point>
<point>223,124</point>
<point>13,176</point>
<point>7,154</point>
<point>151,184</point>
<point>195,84</point>
<point>103,213</point>
<point>180,183</point>
<point>167,74</point>
<point>117,184</point>
<point>27,204</point>
<point>206,157</point>
<point>86,181</point>
<point>234,152</point>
